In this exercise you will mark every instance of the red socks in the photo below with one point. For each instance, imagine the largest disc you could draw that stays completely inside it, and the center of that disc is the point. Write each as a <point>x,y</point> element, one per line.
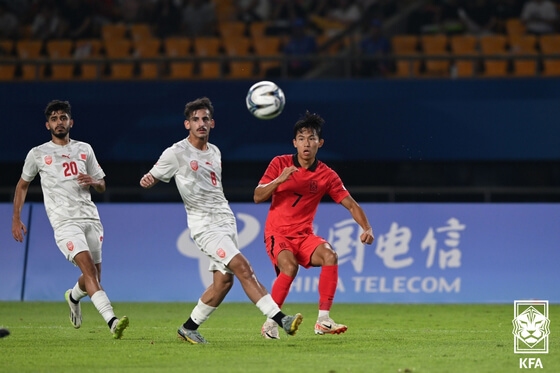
<point>327,286</point>
<point>281,288</point>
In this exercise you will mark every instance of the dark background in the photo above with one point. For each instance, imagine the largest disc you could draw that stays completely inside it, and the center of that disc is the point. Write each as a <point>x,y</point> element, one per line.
<point>475,140</point>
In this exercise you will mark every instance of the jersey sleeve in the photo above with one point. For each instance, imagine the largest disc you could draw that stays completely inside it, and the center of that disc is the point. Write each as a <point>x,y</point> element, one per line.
<point>337,190</point>
<point>30,168</point>
<point>272,172</point>
<point>166,166</point>
<point>93,167</point>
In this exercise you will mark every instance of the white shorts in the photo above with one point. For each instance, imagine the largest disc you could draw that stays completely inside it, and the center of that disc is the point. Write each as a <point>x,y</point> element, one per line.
<point>220,244</point>
<point>73,238</point>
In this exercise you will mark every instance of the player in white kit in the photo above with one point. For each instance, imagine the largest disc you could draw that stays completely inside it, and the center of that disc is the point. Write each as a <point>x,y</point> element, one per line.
<point>196,166</point>
<point>68,168</point>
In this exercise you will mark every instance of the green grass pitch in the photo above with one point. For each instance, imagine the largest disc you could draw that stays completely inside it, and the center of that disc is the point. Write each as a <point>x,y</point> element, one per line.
<point>380,338</point>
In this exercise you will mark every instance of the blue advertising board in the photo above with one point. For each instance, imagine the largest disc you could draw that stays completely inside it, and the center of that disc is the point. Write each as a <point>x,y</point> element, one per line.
<point>423,253</point>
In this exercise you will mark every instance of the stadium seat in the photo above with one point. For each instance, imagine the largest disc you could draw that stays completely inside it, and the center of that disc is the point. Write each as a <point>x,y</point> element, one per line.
<point>435,45</point>
<point>208,46</point>
<point>113,31</point>
<point>232,29</point>
<point>491,46</point>
<point>119,49</point>
<point>60,49</point>
<point>7,70</point>
<point>28,49</point>
<point>464,46</point>
<point>267,46</point>
<point>550,44</point>
<point>140,31</point>
<point>179,47</point>
<point>86,49</point>
<point>6,47</point>
<point>257,29</point>
<point>239,47</point>
<point>523,46</point>
<point>515,27</point>
<point>404,46</point>
<point>148,48</point>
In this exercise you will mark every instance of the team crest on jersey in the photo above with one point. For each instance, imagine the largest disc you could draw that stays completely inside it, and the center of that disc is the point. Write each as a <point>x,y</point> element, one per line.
<point>48,160</point>
<point>221,253</point>
<point>194,165</point>
<point>70,245</point>
<point>313,186</point>
<point>83,156</point>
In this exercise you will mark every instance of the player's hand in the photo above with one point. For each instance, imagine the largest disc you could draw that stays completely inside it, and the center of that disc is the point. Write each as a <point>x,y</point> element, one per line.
<point>18,230</point>
<point>147,181</point>
<point>286,172</point>
<point>86,180</point>
<point>367,237</point>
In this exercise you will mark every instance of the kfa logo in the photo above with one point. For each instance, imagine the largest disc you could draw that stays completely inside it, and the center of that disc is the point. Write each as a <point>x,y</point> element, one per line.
<point>530,331</point>
<point>531,327</point>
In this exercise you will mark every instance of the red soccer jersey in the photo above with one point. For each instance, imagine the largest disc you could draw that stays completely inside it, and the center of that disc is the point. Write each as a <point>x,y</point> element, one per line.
<point>295,201</point>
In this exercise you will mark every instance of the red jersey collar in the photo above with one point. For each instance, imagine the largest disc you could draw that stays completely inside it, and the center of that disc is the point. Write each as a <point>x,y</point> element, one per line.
<point>312,168</point>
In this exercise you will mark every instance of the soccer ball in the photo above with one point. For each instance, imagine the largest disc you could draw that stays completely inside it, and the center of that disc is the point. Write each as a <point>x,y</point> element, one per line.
<point>265,100</point>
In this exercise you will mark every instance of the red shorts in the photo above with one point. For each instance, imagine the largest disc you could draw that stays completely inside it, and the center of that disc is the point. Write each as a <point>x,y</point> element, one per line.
<point>301,246</point>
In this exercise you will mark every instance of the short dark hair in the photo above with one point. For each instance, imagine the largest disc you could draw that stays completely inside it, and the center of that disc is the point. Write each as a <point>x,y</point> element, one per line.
<point>58,105</point>
<point>199,103</point>
<point>311,121</point>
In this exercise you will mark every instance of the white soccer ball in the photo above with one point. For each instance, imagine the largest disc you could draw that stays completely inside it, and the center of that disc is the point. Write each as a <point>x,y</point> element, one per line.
<point>265,100</point>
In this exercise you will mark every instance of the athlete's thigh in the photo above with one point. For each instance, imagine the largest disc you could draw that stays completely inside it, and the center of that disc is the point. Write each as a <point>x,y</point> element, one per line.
<point>71,240</point>
<point>220,245</point>
<point>306,249</point>
<point>94,238</point>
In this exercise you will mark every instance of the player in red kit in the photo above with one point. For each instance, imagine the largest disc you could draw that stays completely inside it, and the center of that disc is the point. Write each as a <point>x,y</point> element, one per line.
<point>297,184</point>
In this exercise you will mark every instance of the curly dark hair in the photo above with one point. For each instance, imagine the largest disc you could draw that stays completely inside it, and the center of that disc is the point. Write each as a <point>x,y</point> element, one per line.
<point>58,105</point>
<point>199,103</point>
<point>311,121</point>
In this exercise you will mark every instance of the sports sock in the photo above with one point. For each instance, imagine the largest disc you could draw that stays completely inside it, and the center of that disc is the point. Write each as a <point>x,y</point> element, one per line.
<point>199,314</point>
<point>77,293</point>
<point>270,309</point>
<point>103,305</point>
<point>328,279</point>
<point>281,288</point>
<point>323,313</point>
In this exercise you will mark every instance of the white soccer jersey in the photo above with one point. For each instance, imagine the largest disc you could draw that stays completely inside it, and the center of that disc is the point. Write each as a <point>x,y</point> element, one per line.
<point>58,166</point>
<point>198,175</point>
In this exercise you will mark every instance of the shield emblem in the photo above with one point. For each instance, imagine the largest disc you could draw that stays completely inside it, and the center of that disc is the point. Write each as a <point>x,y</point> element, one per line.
<point>48,159</point>
<point>194,165</point>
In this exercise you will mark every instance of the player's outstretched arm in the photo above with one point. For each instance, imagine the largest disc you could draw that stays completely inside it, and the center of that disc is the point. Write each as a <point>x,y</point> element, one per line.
<point>264,191</point>
<point>18,228</point>
<point>147,181</point>
<point>360,217</point>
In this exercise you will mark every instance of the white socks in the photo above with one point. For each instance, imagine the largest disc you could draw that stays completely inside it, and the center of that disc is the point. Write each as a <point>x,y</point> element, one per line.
<point>267,306</point>
<point>103,305</point>
<point>77,293</point>
<point>201,312</point>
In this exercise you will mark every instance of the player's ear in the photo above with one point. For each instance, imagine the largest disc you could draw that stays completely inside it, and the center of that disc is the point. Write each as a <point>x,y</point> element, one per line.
<point>71,123</point>
<point>294,141</point>
<point>212,124</point>
<point>47,126</point>
<point>321,142</point>
<point>187,125</point>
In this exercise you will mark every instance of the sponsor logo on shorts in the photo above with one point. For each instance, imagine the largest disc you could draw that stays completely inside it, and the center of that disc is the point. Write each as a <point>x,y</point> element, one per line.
<point>70,245</point>
<point>221,253</point>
